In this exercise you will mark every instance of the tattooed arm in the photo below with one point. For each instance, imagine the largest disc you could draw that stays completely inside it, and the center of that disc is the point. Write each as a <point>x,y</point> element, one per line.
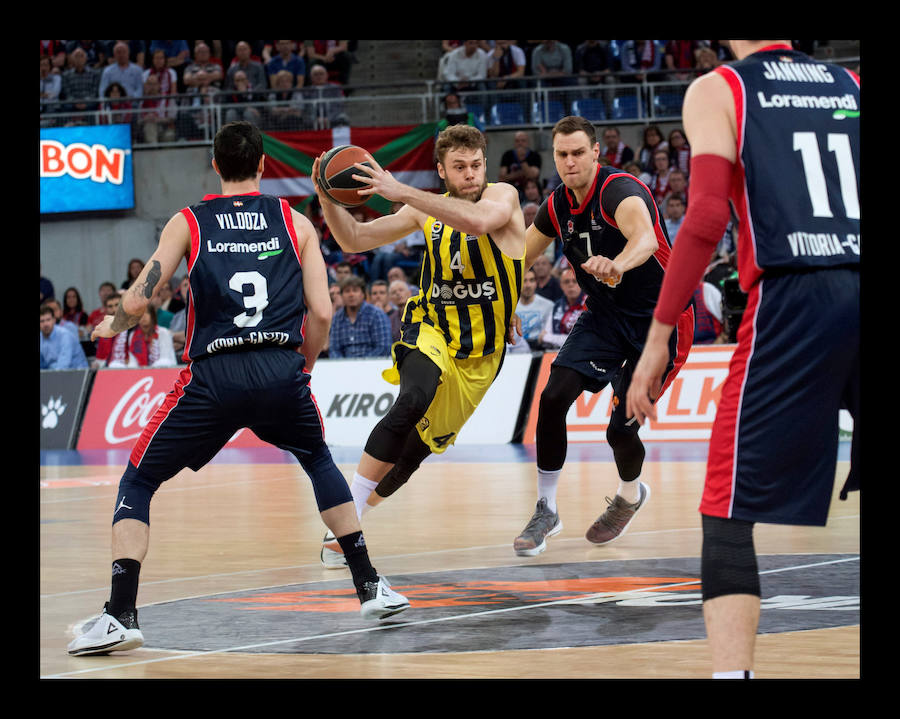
<point>174,244</point>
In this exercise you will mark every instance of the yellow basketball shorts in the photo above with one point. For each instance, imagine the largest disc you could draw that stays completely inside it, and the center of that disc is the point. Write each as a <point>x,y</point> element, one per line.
<point>463,384</point>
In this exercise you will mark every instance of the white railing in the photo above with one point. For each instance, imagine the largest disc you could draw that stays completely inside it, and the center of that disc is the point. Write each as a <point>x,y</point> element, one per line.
<point>194,119</point>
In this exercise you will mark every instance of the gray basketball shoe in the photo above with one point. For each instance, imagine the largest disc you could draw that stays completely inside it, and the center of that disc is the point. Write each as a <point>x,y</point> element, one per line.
<point>543,523</point>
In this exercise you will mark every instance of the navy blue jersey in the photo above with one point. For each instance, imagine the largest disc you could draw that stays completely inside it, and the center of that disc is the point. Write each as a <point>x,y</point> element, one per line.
<point>590,229</point>
<point>246,283</point>
<point>796,184</point>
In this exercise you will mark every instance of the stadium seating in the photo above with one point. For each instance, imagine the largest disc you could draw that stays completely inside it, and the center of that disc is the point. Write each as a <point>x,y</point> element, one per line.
<point>507,113</point>
<point>591,109</point>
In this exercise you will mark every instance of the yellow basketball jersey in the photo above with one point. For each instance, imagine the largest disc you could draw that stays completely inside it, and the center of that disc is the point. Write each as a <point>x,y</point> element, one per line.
<point>469,290</point>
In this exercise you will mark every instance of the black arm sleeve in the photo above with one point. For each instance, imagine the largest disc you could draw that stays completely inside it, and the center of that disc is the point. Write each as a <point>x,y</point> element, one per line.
<point>542,220</point>
<point>621,187</point>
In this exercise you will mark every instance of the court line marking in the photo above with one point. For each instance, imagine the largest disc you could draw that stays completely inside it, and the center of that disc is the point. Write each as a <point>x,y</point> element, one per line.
<point>387,557</point>
<point>596,598</point>
<point>173,488</point>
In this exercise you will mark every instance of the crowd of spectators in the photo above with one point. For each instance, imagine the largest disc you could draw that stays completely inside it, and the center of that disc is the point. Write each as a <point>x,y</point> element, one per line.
<point>478,65</point>
<point>368,290</point>
<point>162,87</point>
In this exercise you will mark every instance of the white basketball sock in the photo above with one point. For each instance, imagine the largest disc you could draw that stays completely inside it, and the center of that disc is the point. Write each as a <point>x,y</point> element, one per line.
<point>361,488</point>
<point>629,491</point>
<point>546,486</point>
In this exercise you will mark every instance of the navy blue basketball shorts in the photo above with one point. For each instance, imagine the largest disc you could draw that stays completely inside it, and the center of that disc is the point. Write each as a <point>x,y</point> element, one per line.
<point>773,449</point>
<point>606,351</point>
<point>264,390</point>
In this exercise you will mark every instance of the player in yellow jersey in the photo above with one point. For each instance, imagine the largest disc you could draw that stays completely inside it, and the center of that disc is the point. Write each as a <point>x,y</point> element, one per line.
<point>454,331</point>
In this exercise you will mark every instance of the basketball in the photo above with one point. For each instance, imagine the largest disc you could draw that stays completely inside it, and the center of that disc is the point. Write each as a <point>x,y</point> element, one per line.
<point>336,172</point>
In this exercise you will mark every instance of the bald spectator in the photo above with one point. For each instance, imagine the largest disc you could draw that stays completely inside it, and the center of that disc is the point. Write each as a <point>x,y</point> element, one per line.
<point>95,52</point>
<point>80,85</point>
<point>328,108</point>
<point>202,75</point>
<point>252,69</point>
<point>122,71</point>
<point>334,55</point>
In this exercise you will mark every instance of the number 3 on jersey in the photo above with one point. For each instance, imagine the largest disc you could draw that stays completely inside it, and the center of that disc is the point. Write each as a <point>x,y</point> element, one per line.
<point>257,299</point>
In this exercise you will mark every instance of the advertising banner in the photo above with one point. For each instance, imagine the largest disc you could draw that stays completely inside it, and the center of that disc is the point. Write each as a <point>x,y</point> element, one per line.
<point>351,396</point>
<point>685,412</point>
<point>86,168</point>
<point>63,393</point>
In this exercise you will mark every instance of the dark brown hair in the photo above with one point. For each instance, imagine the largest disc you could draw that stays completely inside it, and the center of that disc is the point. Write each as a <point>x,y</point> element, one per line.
<point>572,124</point>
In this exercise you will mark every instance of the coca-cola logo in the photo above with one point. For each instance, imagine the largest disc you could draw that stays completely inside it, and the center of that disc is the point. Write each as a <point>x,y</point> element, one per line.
<point>135,407</point>
<point>133,413</point>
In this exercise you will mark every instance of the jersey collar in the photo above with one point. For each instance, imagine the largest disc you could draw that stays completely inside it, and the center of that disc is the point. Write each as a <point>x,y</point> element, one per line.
<point>780,46</point>
<point>242,194</point>
<point>570,196</point>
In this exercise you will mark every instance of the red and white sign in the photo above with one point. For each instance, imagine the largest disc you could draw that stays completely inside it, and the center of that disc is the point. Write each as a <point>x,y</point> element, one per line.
<point>685,411</point>
<point>123,402</point>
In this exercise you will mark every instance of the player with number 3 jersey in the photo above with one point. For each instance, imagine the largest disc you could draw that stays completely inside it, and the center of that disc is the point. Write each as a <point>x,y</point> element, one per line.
<point>258,316</point>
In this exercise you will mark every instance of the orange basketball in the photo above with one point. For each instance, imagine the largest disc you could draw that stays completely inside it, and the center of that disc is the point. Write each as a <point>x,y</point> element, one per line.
<point>336,172</point>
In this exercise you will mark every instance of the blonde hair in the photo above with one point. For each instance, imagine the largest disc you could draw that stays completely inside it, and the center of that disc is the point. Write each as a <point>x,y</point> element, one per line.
<point>459,136</point>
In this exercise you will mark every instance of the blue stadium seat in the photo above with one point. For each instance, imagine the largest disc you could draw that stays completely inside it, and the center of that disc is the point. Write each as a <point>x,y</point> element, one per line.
<point>624,107</point>
<point>591,109</point>
<point>507,113</point>
<point>667,104</point>
<point>556,110</point>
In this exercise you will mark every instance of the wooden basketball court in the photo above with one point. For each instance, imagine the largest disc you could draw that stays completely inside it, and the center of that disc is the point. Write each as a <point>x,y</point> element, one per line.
<point>239,525</point>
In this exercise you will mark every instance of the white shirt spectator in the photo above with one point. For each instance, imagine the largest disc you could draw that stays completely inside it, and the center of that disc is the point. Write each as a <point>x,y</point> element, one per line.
<point>461,66</point>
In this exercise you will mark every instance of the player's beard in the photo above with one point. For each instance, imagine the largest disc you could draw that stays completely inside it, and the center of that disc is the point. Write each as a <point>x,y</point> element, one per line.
<point>472,195</point>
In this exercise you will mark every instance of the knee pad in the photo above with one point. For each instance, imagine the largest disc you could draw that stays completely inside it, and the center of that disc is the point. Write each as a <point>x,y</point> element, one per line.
<point>329,485</point>
<point>413,453</point>
<point>133,498</point>
<point>386,440</point>
<point>728,562</point>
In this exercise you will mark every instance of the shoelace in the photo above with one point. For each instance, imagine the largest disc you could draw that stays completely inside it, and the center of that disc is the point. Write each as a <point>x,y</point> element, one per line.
<point>616,514</point>
<point>541,515</point>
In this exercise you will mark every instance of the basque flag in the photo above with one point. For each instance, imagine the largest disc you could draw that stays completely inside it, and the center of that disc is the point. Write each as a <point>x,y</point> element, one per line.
<point>406,151</point>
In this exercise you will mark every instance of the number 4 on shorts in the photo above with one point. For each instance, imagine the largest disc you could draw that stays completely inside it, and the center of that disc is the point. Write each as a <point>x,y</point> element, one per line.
<point>442,440</point>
